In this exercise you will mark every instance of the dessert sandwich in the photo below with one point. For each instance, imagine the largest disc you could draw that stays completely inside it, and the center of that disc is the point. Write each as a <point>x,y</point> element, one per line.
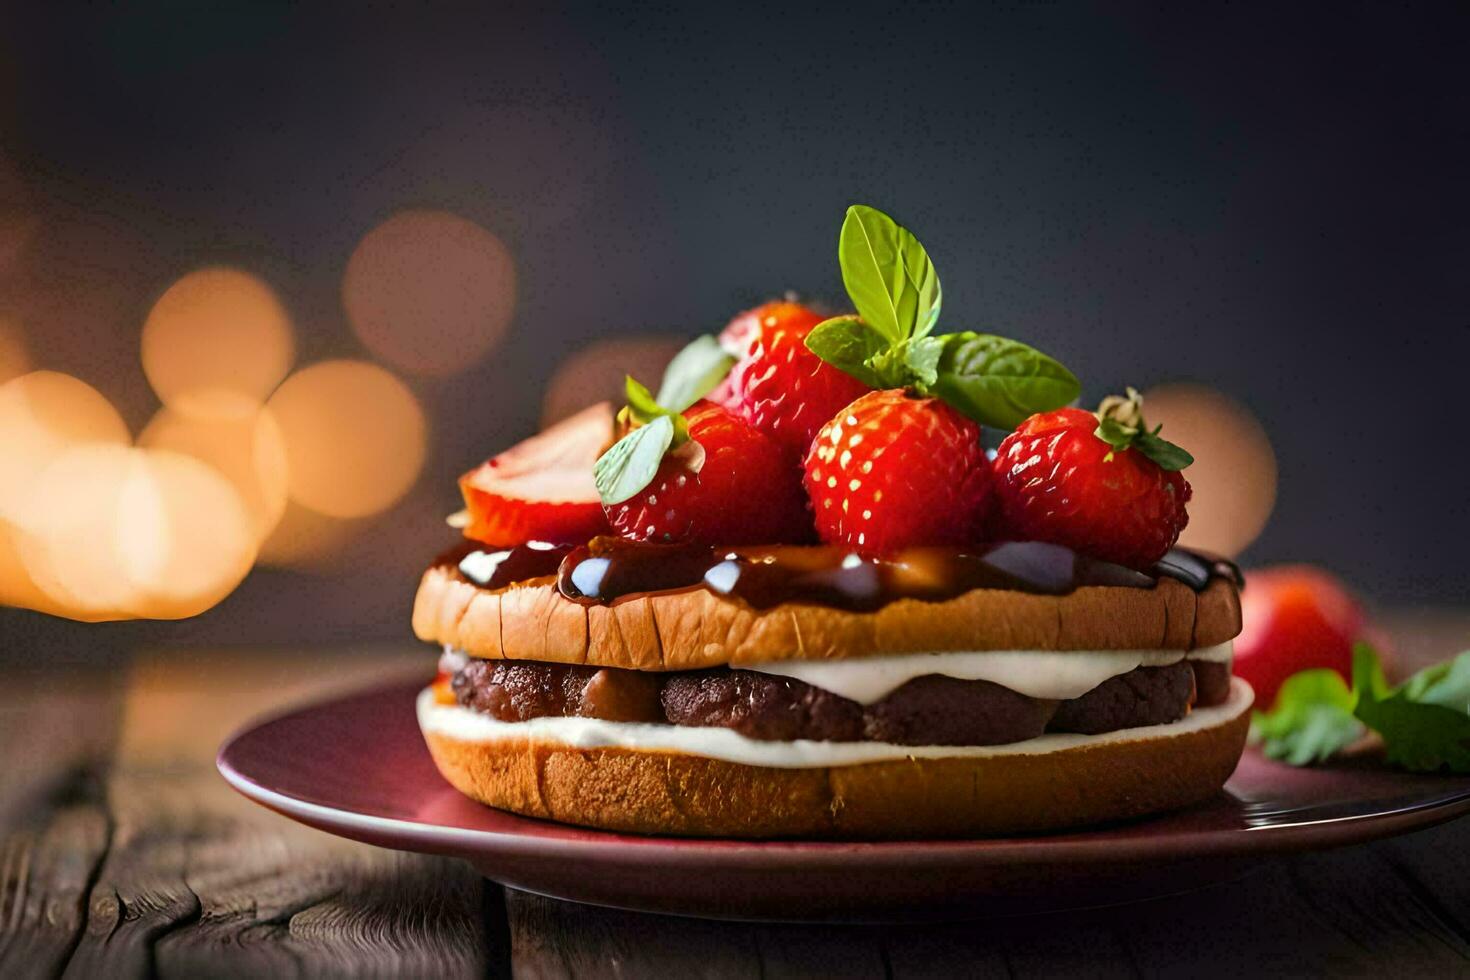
<point>793,595</point>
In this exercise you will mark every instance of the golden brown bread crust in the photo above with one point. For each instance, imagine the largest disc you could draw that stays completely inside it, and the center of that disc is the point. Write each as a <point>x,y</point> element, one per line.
<point>696,628</point>
<point>664,793</point>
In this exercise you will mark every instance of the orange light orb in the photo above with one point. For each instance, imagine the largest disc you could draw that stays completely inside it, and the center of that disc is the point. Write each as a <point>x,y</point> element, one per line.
<point>429,291</point>
<point>42,415</point>
<point>595,373</point>
<point>184,537</point>
<point>247,449</point>
<point>1234,471</point>
<point>217,343</point>
<point>67,542</point>
<point>16,586</point>
<point>354,435</point>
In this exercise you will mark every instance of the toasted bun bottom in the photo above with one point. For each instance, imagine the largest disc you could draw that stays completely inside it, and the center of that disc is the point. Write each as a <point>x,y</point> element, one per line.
<point>660,792</point>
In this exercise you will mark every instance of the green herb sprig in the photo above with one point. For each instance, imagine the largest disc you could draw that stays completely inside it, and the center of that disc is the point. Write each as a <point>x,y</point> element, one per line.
<point>890,343</point>
<point>656,424</point>
<point>1424,722</point>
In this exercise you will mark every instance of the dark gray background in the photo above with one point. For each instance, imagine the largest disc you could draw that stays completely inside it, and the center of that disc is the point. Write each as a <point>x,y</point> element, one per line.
<point>1274,200</point>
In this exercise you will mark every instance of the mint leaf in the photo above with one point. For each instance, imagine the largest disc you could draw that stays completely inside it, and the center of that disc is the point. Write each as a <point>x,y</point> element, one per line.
<point>888,275</point>
<point>921,356</point>
<point>997,381</point>
<point>1446,684</point>
<point>693,373</point>
<point>1418,735</point>
<point>848,344</point>
<point>630,463</point>
<point>1311,721</point>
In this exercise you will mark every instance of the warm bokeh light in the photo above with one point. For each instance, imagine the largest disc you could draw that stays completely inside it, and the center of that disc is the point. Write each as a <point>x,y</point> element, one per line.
<point>42,415</point>
<point>68,542</point>
<point>16,586</point>
<point>429,291</point>
<point>307,540</point>
<point>216,343</point>
<point>246,449</point>
<point>116,532</point>
<point>354,434</point>
<point>15,358</point>
<point>595,373</point>
<point>1234,473</point>
<point>184,538</point>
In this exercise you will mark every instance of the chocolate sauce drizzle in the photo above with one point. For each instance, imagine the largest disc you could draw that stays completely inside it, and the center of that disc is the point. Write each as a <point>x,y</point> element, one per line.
<point>608,569</point>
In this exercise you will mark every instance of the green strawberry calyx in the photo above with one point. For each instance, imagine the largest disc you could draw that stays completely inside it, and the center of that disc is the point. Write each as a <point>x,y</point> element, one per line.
<point>1120,424</point>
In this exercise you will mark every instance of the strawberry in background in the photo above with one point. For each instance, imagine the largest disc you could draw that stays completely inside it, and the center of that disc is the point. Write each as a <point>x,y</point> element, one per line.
<point>778,385</point>
<point>1296,617</point>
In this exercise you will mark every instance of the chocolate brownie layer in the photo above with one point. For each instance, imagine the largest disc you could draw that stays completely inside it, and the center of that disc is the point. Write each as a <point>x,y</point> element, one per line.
<point>931,710</point>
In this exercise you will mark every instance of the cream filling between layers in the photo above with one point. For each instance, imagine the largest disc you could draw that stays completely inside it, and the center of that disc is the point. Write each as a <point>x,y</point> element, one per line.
<point>464,725</point>
<point>1053,674</point>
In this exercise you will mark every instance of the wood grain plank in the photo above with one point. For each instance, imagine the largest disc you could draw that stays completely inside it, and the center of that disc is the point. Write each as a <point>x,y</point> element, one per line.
<point>46,876</point>
<point>555,940</point>
<point>166,872</point>
<point>57,729</point>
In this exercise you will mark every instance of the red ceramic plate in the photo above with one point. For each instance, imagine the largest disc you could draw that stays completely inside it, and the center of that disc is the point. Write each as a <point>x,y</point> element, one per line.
<point>358,767</point>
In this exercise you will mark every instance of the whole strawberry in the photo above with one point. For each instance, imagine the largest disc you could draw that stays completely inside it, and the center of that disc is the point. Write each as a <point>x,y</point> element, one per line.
<point>778,385</point>
<point>746,489</point>
<point>1102,485</point>
<point>893,470</point>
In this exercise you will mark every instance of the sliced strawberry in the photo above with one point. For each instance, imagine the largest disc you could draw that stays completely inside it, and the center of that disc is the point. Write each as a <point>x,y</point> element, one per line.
<point>541,489</point>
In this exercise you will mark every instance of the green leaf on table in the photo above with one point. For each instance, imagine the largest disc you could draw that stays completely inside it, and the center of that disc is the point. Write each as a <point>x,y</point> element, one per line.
<point>631,462</point>
<point>693,373</point>
<point>1424,736</point>
<point>1446,684</point>
<point>888,275</point>
<point>1311,721</point>
<point>998,381</point>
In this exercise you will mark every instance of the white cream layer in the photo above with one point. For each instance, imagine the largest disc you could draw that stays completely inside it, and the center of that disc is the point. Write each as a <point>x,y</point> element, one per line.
<point>462,724</point>
<point>1053,674</point>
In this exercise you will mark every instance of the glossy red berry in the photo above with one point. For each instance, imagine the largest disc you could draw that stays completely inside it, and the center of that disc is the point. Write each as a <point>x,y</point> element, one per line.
<point>778,385</point>
<point>1056,481</point>
<point>892,471</point>
<point>747,491</point>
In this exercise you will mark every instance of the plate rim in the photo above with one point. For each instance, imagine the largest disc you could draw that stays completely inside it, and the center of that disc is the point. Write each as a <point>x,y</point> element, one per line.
<point>1077,847</point>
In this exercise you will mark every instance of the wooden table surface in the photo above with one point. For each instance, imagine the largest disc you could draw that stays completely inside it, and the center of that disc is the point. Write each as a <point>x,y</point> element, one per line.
<point>123,854</point>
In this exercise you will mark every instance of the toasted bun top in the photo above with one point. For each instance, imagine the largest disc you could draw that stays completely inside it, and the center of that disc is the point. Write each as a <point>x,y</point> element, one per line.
<point>695,628</point>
